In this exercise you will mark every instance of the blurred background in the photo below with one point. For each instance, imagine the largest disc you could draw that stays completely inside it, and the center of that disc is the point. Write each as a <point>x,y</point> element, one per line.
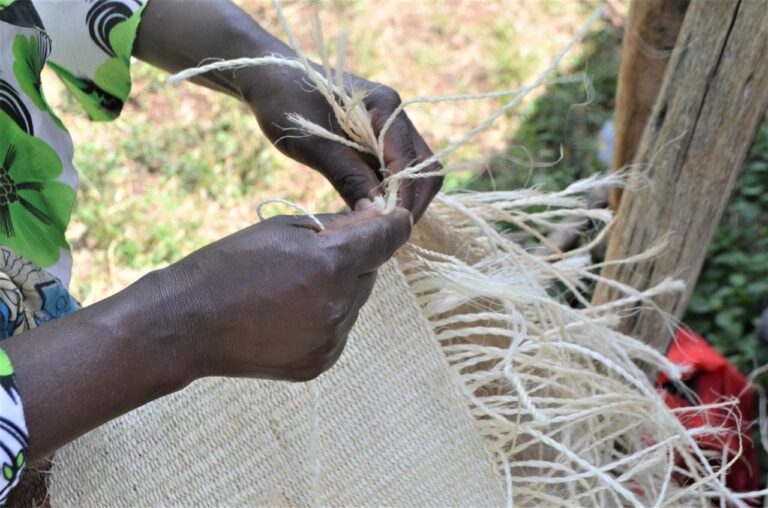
<point>184,166</point>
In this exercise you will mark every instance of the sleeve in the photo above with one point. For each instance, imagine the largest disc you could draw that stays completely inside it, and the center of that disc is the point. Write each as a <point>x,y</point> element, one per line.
<point>91,49</point>
<point>14,439</point>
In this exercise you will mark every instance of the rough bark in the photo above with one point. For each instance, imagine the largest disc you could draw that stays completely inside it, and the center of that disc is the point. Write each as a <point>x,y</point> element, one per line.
<point>702,125</point>
<point>649,38</point>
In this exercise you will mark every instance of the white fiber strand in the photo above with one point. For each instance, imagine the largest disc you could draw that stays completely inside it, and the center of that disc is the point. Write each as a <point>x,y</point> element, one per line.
<point>300,208</point>
<point>556,392</point>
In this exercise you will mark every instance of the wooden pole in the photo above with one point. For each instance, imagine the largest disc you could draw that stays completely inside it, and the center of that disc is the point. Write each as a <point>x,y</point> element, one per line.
<point>714,94</point>
<point>649,38</point>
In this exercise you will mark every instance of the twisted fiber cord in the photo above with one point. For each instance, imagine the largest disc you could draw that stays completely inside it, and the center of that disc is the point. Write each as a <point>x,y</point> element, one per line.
<point>355,120</point>
<point>286,202</point>
<point>588,345</point>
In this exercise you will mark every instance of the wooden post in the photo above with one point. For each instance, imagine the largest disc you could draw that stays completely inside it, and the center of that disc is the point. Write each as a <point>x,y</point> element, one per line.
<point>649,38</point>
<point>714,94</point>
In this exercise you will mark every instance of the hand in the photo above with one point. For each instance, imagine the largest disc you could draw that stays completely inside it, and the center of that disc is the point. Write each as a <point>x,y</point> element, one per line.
<point>177,35</point>
<point>277,300</point>
<point>355,175</point>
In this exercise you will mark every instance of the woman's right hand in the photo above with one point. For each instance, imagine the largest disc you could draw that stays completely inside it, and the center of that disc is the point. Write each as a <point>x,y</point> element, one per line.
<point>276,300</point>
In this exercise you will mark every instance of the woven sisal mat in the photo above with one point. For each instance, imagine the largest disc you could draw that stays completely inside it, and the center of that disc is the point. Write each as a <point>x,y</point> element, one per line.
<point>392,431</point>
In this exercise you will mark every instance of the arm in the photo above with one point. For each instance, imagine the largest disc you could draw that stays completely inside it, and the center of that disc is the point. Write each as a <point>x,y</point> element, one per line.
<point>228,309</point>
<point>175,35</point>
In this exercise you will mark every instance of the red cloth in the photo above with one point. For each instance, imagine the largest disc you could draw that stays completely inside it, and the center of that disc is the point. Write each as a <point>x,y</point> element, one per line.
<point>714,379</point>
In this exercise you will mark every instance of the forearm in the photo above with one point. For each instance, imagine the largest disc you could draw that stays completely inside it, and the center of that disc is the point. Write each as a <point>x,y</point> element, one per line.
<point>178,34</point>
<point>86,368</point>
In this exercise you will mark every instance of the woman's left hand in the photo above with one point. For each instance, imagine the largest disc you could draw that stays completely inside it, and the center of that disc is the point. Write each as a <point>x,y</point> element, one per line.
<point>177,35</point>
<point>354,174</point>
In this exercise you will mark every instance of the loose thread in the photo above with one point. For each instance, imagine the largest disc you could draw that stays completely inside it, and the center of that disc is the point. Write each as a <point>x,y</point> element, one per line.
<point>298,207</point>
<point>313,446</point>
<point>565,359</point>
<point>237,63</point>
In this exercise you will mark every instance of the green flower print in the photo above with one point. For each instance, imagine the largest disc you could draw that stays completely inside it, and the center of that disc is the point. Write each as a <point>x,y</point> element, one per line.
<point>7,380</point>
<point>30,55</point>
<point>103,97</point>
<point>6,367</point>
<point>34,207</point>
<point>10,471</point>
<point>114,74</point>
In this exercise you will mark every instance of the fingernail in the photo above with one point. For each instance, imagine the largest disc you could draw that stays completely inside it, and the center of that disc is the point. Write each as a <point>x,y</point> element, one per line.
<point>363,203</point>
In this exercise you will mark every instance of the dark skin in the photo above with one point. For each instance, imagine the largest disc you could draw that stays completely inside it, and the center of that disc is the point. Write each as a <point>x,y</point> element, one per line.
<point>229,309</point>
<point>273,91</point>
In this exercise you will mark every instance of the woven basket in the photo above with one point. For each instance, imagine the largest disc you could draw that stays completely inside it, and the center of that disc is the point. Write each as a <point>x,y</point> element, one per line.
<point>392,430</point>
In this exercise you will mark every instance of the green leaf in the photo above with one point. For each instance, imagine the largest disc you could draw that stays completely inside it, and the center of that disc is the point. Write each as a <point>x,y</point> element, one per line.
<point>737,279</point>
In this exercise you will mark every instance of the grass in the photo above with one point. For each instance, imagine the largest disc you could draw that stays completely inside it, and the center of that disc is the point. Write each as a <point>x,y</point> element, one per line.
<point>184,166</point>
<point>563,119</point>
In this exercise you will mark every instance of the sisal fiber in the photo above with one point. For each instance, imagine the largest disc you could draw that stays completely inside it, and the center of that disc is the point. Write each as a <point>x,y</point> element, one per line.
<point>478,374</point>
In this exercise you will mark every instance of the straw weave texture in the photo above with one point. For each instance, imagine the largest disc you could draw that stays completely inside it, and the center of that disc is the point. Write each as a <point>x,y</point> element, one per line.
<point>393,431</point>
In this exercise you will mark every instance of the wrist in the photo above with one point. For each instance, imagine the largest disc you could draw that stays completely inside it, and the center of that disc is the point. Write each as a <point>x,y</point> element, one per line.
<point>83,369</point>
<point>144,313</point>
<point>247,39</point>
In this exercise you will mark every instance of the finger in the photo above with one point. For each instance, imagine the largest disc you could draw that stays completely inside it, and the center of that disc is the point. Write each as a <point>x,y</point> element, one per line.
<point>341,220</point>
<point>351,176</point>
<point>367,239</point>
<point>345,168</point>
<point>404,147</point>
<point>399,152</point>
<point>424,189</point>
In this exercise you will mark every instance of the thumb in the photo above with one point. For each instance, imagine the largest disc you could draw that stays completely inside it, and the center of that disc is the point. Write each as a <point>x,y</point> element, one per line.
<point>369,238</point>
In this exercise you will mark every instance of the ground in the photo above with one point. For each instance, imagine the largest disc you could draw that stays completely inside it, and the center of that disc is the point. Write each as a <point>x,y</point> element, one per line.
<point>184,166</point>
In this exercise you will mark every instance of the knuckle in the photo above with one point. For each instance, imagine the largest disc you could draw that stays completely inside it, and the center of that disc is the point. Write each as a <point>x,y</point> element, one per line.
<point>327,262</point>
<point>391,97</point>
<point>434,184</point>
<point>385,97</point>
<point>336,312</point>
<point>321,359</point>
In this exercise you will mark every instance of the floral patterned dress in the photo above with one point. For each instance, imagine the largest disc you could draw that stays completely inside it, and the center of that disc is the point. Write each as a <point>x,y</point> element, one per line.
<point>87,43</point>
